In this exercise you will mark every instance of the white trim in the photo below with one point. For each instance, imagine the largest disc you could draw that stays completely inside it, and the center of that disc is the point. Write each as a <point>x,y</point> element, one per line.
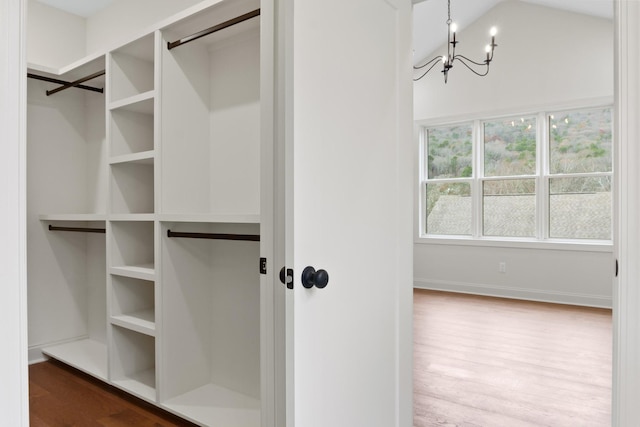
<point>14,401</point>
<point>559,245</point>
<point>571,298</point>
<point>586,103</point>
<point>626,293</point>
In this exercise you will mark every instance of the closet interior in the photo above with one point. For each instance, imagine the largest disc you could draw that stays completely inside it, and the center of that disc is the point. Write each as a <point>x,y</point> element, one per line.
<point>144,215</point>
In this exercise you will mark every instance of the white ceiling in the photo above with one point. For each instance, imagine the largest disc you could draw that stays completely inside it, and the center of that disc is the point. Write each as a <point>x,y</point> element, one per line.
<point>430,16</point>
<point>83,8</point>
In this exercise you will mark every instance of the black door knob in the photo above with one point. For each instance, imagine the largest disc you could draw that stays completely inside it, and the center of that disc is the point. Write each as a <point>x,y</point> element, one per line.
<point>311,278</point>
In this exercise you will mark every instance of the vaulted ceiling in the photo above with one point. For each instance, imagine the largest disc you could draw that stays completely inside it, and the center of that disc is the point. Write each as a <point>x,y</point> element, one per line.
<point>429,17</point>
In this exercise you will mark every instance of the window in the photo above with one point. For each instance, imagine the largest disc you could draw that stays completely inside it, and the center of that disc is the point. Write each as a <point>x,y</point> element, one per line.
<point>536,177</point>
<point>449,169</point>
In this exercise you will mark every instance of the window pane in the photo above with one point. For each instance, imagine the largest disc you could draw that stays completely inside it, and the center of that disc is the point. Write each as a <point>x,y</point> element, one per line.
<point>509,208</point>
<point>580,208</point>
<point>580,141</point>
<point>449,208</point>
<point>449,151</point>
<point>510,147</point>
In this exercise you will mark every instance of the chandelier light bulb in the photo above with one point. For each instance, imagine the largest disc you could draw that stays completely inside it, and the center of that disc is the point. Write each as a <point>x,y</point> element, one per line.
<point>452,57</point>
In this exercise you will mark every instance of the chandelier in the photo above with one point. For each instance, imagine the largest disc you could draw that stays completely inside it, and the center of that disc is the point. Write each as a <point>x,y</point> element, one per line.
<point>478,68</point>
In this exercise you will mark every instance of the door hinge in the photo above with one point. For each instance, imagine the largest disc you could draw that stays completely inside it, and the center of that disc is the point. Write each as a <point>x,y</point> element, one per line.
<point>263,266</point>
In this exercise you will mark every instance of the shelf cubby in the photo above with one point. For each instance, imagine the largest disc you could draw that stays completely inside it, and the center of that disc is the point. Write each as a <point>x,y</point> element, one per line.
<point>132,189</point>
<point>132,69</point>
<point>132,249</point>
<point>133,362</point>
<point>133,304</point>
<point>132,128</point>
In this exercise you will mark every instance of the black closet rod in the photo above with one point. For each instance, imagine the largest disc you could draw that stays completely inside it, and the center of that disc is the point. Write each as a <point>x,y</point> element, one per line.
<point>75,83</point>
<point>62,82</point>
<point>221,26</point>
<point>215,236</point>
<point>81,229</point>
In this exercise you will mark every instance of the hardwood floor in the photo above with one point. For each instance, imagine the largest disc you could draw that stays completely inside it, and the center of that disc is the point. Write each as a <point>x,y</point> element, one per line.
<point>481,361</point>
<point>478,361</point>
<point>61,396</point>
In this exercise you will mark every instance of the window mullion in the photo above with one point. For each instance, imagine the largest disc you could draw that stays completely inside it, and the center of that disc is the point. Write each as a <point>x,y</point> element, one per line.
<point>422,182</point>
<point>542,180</point>
<point>476,191</point>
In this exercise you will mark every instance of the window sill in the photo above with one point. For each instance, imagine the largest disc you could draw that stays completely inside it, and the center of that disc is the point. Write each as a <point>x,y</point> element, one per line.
<point>551,244</point>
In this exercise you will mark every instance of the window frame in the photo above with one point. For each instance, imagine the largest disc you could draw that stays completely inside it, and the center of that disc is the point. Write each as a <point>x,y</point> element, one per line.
<point>542,177</point>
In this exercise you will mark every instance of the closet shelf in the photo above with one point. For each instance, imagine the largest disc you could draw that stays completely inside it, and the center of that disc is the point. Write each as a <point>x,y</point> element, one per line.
<point>213,405</point>
<point>144,157</point>
<point>72,217</point>
<point>141,384</point>
<point>141,321</point>
<point>211,218</point>
<point>87,355</point>
<point>144,217</point>
<point>141,103</point>
<point>144,272</point>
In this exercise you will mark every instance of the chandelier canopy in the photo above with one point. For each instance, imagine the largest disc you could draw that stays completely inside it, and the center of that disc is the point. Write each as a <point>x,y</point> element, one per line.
<point>478,68</point>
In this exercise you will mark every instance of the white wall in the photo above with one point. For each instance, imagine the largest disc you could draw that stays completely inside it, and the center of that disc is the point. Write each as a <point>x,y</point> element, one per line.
<point>123,19</point>
<point>54,38</point>
<point>545,58</point>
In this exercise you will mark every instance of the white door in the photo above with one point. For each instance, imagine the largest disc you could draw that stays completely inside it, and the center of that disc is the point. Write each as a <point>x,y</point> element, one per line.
<point>349,207</point>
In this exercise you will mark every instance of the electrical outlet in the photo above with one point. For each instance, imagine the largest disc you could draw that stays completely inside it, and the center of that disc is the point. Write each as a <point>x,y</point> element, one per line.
<point>502,267</point>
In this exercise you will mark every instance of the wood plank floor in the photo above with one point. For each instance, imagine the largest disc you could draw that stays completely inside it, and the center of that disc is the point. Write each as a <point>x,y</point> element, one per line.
<point>61,396</point>
<point>478,361</point>
<point>481,361</point>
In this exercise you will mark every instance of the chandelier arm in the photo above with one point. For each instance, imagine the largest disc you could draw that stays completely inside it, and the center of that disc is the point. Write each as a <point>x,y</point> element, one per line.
<point>426,72</point>
<point>472,70</point>
<point>470,60</point>
<point>437,58</point>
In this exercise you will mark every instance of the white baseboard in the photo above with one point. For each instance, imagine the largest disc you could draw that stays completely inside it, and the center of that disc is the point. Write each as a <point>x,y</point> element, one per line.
<point>515,293</point>
<point>36,355</point>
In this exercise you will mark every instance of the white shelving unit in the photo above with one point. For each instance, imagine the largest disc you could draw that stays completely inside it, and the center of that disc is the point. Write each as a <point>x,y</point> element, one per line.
<point>173,144</point>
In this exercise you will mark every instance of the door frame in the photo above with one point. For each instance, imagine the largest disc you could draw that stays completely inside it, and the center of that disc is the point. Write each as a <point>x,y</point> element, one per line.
<point>626,293</point>
<point>14,402</point>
